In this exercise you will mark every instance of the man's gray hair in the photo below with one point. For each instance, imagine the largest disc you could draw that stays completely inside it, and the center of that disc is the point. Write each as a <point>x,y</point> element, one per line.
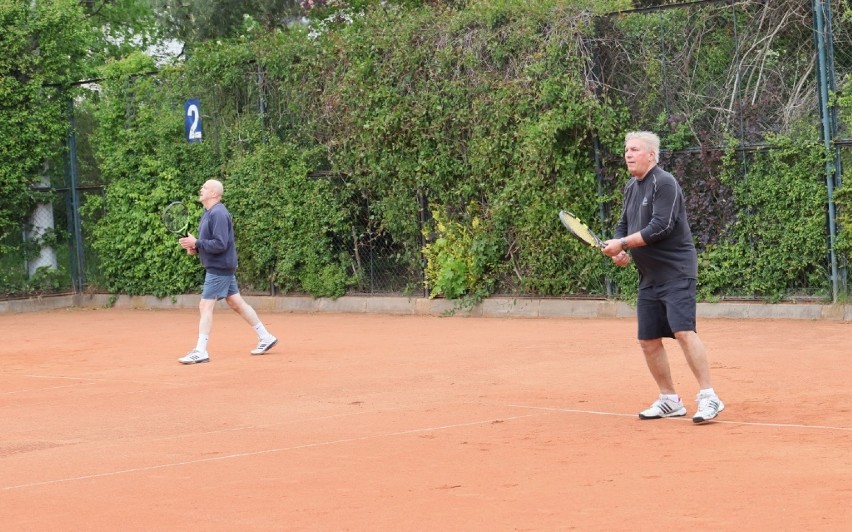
<point>217,186</point>
<point>650,140</point>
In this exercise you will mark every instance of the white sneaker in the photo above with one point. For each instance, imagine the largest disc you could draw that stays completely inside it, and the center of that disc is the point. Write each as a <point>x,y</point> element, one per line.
<point>664,407</point>
<point>194,357</point>
<point>264,345</point>
<point>709,407</point>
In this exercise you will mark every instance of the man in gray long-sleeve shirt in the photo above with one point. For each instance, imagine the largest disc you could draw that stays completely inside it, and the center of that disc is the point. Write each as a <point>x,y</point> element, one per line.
<point>654,227</point>
<point>217,250</point>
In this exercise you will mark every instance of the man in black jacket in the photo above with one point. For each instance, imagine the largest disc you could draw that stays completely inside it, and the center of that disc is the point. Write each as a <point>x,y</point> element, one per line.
<point>654,227</point>
<point>218,253</point>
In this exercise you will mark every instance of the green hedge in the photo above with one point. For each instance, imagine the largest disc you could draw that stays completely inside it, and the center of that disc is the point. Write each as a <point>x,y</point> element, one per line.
<point>459,133</point>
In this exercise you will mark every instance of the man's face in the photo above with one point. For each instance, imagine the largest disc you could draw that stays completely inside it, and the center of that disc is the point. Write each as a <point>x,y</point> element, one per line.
<point>207,192</point>
<point>638,157</point>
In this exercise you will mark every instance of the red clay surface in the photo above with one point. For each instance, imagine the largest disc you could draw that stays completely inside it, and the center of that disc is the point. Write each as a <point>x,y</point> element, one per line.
<point>368,422</point>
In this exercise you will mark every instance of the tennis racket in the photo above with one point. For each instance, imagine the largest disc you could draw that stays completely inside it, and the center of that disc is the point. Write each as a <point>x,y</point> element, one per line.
<point>176,218</point>
<point>579,230</point>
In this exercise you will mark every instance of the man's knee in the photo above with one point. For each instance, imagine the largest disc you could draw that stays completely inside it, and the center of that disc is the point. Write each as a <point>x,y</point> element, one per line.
<point>236,302</point>
<point>651,346</point>
<point>684,336</point>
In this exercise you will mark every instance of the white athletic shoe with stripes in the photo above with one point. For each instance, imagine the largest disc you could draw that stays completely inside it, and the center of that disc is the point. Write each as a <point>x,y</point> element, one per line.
<point>664,407</point>
<point>194,357</point>
<point>264,345</point>
<point>709,407</point>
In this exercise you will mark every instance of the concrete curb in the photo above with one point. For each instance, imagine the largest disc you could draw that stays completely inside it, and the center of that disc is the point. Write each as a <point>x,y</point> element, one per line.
<point>35,304</point>
<point>501,307</point>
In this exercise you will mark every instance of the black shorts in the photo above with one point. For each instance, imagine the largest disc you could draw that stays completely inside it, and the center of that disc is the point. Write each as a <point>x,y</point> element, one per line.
<point>665,309</point>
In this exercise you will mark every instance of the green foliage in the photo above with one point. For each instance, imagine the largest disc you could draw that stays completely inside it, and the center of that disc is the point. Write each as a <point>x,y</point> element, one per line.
<point>843,194</point>
<point>460,257</point>
<point>778,239</point>
<point>137,254</point>
<point>486,113</point>
<point>843,200</point>
<point>44,280</point>
<point>195,21</point>
<point>42,46</point>
<point>143,156</point>
<point>285,222</point>
<point>124,26</point>
<point>503,99</point>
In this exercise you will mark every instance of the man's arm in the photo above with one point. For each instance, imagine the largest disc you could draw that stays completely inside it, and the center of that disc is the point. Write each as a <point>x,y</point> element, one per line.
<point>218,223</point>
<point>622,241</point>
<point>664,211</point>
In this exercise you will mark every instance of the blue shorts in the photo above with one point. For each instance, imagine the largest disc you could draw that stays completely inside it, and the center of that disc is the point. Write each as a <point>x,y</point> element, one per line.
<point>665,309</point>
<point>219,286</point>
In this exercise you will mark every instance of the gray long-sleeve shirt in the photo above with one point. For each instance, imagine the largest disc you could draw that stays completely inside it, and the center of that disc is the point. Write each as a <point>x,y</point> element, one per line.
<point>655,207</point>
<point>215,243</point>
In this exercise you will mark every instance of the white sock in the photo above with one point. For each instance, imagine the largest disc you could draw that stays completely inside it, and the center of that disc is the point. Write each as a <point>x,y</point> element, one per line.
<point>261,331</point>
<point>672,397</point>
<point>708,391</point>
<point>201,346</point>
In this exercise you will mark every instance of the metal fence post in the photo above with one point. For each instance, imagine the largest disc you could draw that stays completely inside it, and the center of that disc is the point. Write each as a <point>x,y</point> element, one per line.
<point>824,64</point>
<point>78,277</point>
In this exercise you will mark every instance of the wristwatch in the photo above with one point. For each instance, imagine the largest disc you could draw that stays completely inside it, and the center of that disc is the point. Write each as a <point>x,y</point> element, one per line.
<point>623,244</point>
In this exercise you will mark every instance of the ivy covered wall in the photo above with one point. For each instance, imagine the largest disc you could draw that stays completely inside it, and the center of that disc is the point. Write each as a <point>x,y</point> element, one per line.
<point>433,143</point>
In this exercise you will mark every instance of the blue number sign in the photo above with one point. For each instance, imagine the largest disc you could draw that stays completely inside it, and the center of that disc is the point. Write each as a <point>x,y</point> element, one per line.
<point>192,120</point>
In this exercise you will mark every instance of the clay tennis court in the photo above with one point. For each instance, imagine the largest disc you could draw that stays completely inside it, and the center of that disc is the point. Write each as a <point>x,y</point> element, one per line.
<point>378,422</point>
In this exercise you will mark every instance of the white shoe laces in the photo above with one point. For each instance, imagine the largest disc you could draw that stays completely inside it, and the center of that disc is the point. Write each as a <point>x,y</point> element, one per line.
<point>704,403</point>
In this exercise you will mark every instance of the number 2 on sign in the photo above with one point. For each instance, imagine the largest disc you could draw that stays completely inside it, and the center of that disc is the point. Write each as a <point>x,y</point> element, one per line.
<point>193,121</point>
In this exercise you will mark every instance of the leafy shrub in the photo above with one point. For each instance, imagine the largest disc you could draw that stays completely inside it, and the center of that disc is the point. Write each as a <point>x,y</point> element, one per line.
<point>778,238</point>
<point>460,257</point>
<point>286,222</point>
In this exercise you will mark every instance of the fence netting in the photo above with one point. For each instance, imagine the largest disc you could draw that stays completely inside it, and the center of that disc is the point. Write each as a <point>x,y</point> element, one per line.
<point>699,87</point>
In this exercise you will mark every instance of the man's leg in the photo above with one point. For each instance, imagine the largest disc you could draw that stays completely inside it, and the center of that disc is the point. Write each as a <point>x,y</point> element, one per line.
<point>668,404</point>
<point>241,307</point>
<point>696,357</point>
<point>658,363</point>
<point>709,404</point>
<point>205,325</point>
<point>681,309</point>
<point>205,322</point>
<point>265,340</point>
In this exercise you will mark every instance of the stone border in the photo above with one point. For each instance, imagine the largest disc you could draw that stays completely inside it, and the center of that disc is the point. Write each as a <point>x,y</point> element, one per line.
<point>503,307</point>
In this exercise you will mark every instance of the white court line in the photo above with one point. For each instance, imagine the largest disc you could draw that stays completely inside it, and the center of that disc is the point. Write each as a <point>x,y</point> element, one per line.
<point>50,388</point>
<point>240,428</point>
<point>48,376</point>
<point>266,451</point>
<point>94,379</point>
<point>748,423</point>
<point>543,410</point>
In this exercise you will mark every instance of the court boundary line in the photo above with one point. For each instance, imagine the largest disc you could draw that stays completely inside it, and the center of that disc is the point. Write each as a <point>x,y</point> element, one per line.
<point>93,379</point>
<point>542,410</point>
<point>268,451</point>
<point>685,418</point>
<point>28,390</point>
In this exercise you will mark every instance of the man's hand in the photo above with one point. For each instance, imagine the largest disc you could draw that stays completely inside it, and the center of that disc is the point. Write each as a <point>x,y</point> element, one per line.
<point>622,259</point>
<point>612,247</point>
<point>188,243</point>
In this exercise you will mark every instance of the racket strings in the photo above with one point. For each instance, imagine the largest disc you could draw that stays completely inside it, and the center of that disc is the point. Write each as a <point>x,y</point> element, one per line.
<point>176,217</point>
<point>580,230</point>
